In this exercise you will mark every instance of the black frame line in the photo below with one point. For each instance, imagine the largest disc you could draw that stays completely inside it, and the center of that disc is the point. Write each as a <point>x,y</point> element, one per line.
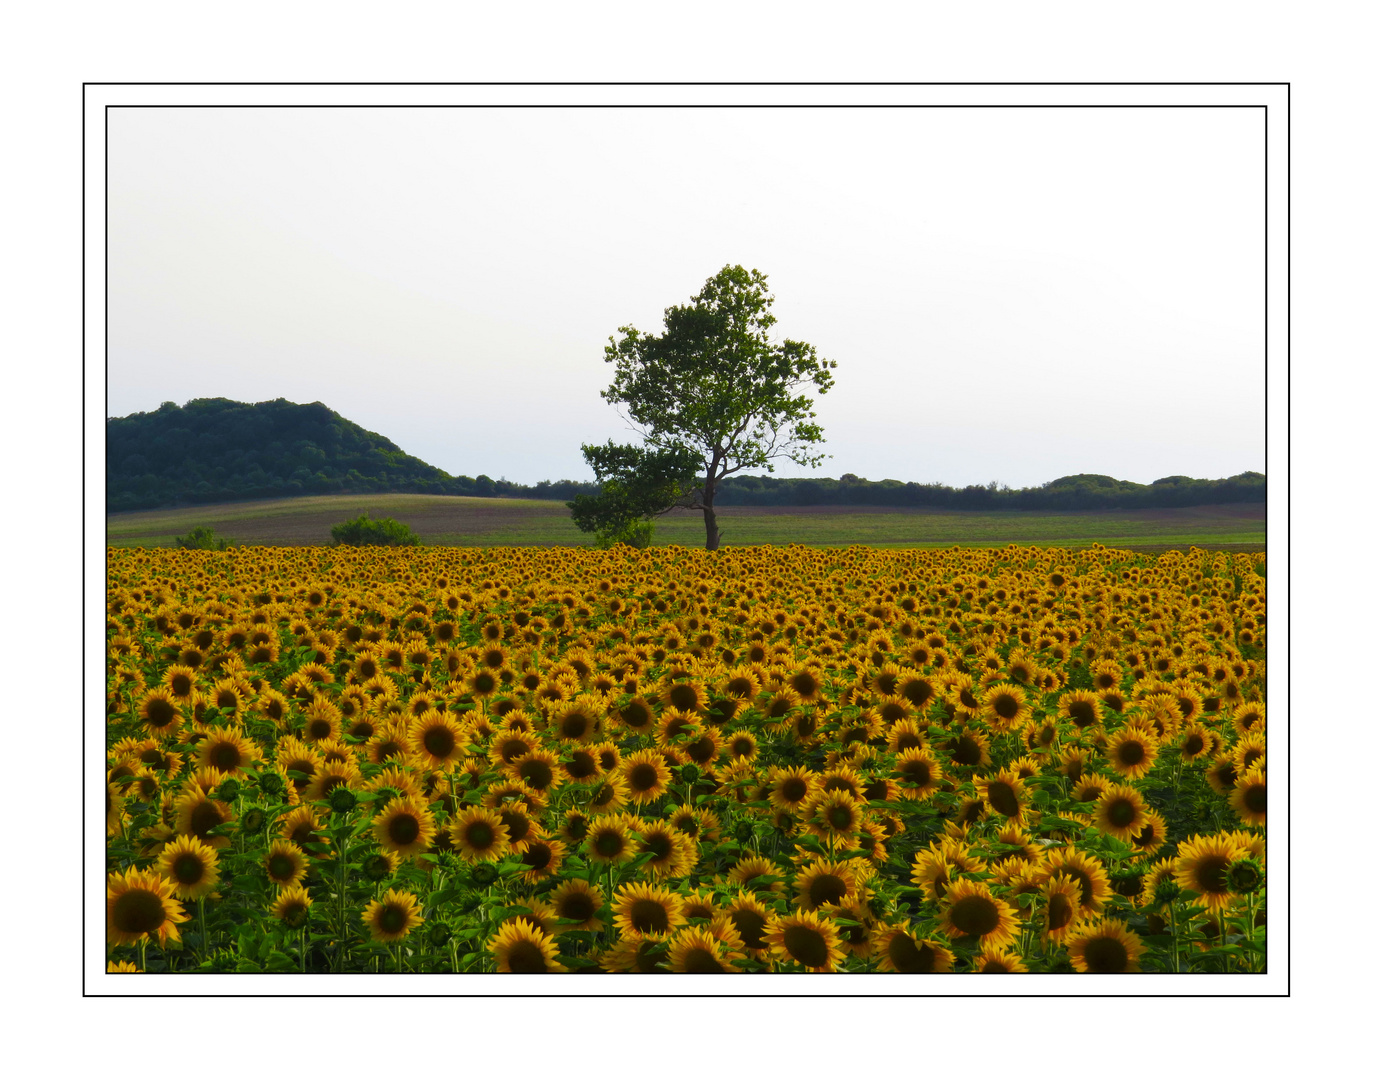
<point>1287,993</point>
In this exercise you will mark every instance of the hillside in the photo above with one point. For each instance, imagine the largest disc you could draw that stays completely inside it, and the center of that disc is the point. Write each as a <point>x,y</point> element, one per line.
<point>217,450</point>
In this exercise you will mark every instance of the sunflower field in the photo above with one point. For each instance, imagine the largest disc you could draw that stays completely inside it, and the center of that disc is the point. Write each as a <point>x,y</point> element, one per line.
<point>337,760</point>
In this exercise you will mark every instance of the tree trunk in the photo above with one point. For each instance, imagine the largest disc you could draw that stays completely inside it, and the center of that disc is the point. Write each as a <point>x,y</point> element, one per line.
<point>708,505</point>
<point>712,530</point>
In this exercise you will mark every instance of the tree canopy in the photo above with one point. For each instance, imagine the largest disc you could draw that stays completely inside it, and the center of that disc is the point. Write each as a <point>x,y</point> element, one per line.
<point>713,388</point>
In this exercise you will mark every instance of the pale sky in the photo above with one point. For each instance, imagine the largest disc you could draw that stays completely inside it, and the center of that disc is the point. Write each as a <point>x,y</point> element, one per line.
<point>1010,294</point>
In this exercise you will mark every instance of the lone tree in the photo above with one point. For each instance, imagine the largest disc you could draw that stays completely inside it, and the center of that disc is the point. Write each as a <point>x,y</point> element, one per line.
<point>711,396</point>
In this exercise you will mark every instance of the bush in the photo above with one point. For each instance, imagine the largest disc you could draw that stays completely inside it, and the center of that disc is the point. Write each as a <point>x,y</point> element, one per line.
<point>637,534</point>
<point>202,538</point>
<point>362,531</point>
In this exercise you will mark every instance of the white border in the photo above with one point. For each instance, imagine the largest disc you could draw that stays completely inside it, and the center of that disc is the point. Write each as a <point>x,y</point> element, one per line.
<point>1275,97</point>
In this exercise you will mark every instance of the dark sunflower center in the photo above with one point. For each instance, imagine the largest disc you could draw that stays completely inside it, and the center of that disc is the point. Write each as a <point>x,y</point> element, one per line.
<point>917,692</point>
<point>974,915</point>
<point>1002,797</point>
<point>281,867</point>
<point>1256,799</point>
<point>840,817</point>
<point>403,829</point>
<point>794,789</point>
<point>683,696</point>
<point>578,906</point>
<point>537,856</point>
<point>806,945</point>
<point>181,685</point>
<point>439,742</point>
<point>966,750</point>
<point>526,958</point>
<point>827,889</point>
<point>1121,812</point>
<point>1211,872</point>
<point>804,684</point>
<point>536,773</point>
<point>188,869</point>
<point>910,958</point>
<point>1060,911</point>
<point>1130,753</point>
<point>581,765</point>
<point>480,835</point>
<point>160,713</point>
<point>1106,955</point>
<point>204,818</point>
<point>643,777</point>
<point>660,844</point>
<point>485,682</point>
<point>1082,713</point>
<point>138,912</point>
<point>636,715</point>
<point>916,773</point>
<point>225,757</point>
<point>1006,706</point>
<point>516,824</point>
<point>391,919</point>
<point>750,926</point>
<point>608,844</point>
<point>701,961</point>
<point>648,916</point>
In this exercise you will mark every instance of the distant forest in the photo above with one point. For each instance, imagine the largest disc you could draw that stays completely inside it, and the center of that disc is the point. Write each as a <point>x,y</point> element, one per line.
<point>217,450</point>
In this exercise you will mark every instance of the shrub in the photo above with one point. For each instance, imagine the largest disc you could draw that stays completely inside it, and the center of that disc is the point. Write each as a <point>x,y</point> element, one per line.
<point>202,538</point>
<point>362,531</point>
<point>637,534</point>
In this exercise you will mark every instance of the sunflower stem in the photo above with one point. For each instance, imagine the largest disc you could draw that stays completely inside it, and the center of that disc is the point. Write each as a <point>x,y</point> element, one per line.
<point>143,953</point>
<point>204,932</point>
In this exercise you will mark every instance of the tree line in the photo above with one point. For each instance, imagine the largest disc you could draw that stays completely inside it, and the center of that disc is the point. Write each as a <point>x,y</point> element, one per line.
<point>217,450</point>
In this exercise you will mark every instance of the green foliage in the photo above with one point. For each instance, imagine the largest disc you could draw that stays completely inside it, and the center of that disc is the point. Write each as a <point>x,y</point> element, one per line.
<point>713,386</point>
<point>202,538</point>
<point>363,531</point>
<point>636,483</point>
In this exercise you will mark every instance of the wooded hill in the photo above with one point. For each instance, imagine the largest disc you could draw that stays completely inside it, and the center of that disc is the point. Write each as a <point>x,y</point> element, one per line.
<point>217,450</point>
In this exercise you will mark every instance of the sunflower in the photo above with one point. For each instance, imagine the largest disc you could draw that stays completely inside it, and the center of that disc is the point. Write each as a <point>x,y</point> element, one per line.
<point>828,882</point>
<point>805,938</point>
<point>673,852</point>
<point>197,813</point>
<point>1004,706</point>
<point>968,748</point>
<point>697,951</point>
<point>792,787</point>
<point>302,827</point>
<point>608,841</point>
<point>1249,800</point>
<point>479,834</point>
<point>1120,811</point>
<point>392,917</point>
<point>405,827</point>
<point>542,858</point>
<point>1105,947</point>
<point>1203,866</point>
<point>579,720</point>
<point>579,902</point>
<point>1062,903</point>
<point>333,775</point>
<point>750,919</point>
<point>646,776</point>
<point>609,796</point>
<point>159,712</point>
<point>191,865</point>
<point>1152,833</point>
<point>901,952</point>
<point>999,960</point>
<point>1196,741</point>
<point>122,967</point>
<point>536,769</point>
<point>1081,708</point>
<point>647,911</point>
<point>323,720</point>
<point>225,750</point>
<point>1132,752</point>
<point>1004,794</point>
<point>286,864</point>
<point>139,906</point>
<point>835,817</point>
<point>635,716</point>
<point>970,910</point>
<point>1087,871</point>
<point>437,740</point>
